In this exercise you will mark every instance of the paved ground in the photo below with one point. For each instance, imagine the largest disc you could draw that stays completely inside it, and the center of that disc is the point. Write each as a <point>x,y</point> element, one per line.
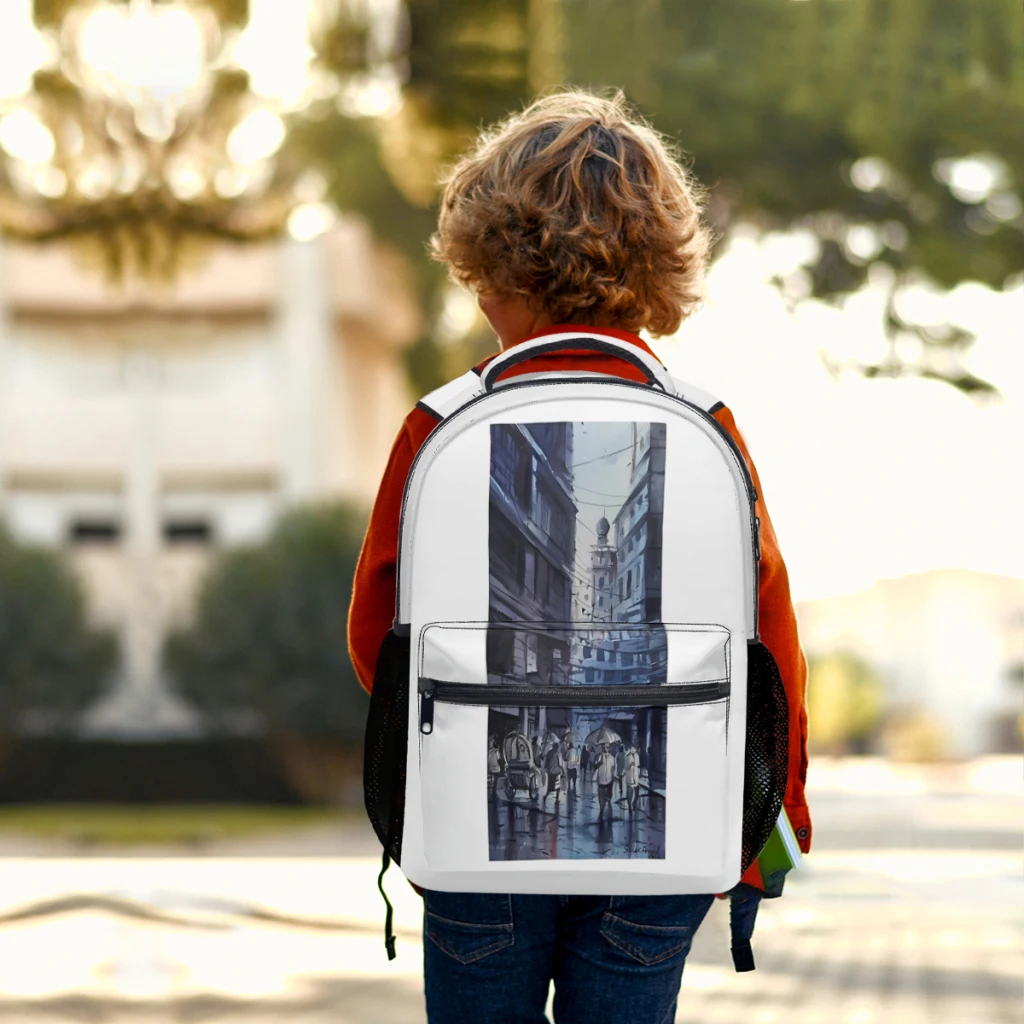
<point>909,912</point>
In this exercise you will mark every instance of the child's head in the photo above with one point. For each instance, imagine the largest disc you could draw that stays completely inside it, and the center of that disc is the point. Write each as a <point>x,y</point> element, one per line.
<point>580,210</point>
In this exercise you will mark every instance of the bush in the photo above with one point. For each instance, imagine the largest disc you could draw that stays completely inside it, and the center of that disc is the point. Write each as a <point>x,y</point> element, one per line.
<point>267,649</point>
<point>844,704</point>
<point>52,663</point>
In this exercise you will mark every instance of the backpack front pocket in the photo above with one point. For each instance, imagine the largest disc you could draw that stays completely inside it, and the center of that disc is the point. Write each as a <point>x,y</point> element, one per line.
<point>576,771</point>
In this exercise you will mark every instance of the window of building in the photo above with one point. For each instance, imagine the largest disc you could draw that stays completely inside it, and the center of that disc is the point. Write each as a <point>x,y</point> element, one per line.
<point>543,578</point>
<point>557,588</point>
<point>600,654</point>
<point>188,531</point>
<point>588,675</point>
<point>629,583</point>
<point>524,478</point>
<point>621,594</point>
<point>530,571</point>
<point>501,651</point>
<point>94,530</point>
<point>505,550</point>
<point>587,652</point>
<point>559,527</point>
<point>556,447</point>
<point>531,652</point>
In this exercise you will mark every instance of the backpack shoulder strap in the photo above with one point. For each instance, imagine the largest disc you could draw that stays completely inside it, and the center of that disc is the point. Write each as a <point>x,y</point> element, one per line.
<point>451,397</point>
<point>697,396</point>
<point>743,903</point>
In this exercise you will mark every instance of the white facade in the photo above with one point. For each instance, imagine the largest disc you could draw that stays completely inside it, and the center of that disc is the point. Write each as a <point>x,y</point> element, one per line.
<point>142,431</point>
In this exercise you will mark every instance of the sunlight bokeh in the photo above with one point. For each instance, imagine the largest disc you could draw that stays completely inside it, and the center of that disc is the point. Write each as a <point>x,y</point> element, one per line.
<point>865,479</point>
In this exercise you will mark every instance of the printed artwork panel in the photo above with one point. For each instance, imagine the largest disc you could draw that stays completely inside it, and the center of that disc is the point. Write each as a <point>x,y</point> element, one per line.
<point>573,783</point>
<point>575,537</point>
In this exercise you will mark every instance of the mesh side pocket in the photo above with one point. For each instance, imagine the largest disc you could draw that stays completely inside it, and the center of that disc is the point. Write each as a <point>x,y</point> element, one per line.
<point>385,750</point>
<point>767,755</point>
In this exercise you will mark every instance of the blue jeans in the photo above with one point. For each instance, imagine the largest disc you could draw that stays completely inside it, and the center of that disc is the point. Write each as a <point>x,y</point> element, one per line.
<point>488,959</point>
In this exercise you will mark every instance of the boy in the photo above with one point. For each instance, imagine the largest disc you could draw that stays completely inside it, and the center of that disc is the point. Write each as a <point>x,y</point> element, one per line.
<point>573,212</point>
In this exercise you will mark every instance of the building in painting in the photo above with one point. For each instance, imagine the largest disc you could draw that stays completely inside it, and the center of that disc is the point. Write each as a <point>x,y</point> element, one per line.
<point>626,576</point>
<point>627,645</point>
<point>638,527</point>
<point>602,573</point>
<point>532,552</point>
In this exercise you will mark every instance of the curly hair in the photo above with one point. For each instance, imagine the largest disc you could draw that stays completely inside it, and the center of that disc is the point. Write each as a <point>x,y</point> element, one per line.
<point>579,206</point>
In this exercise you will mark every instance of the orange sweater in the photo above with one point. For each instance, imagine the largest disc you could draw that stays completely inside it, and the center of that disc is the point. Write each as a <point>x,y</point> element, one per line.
<point>373,595</point>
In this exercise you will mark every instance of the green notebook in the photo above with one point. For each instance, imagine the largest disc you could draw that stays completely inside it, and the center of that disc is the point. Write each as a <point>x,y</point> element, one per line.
<point>781,852</point>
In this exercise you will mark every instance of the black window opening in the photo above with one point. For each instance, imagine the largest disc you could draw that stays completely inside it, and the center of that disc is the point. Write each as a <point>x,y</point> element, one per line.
<point>94,530</point>
<point>188,531</point>
<point>501,657</point>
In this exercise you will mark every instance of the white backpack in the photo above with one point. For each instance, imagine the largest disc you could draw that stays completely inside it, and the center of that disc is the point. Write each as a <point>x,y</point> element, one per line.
<point>577,585</point>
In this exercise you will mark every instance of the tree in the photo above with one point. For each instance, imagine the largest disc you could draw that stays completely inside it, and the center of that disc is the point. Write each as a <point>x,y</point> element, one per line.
<point>891,129</point>
<point>267,645</point>
<point>844,702</point>
<point>52,663</point>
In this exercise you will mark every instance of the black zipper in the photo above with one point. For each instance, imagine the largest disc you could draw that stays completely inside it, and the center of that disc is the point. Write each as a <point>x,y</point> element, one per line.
<point>433,690</point>
<point>616,382</point>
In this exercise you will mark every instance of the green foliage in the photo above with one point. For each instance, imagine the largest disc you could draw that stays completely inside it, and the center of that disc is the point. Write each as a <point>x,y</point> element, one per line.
<point>127,825</point>
<point>776,101</point>
<point>269,632</point>
<point>52,663</point>
<point>844,703</point>
<point>49,13</point>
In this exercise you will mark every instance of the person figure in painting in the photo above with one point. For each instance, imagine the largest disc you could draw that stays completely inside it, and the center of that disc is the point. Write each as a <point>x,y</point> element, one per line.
<point>584,763</point>
<point>572,763</point>
<point>573,214</point>
<point>555,768</point>
<point>620,766</point>
<point>604,772</point>
<point>493,765</point>
<point>632,777</point>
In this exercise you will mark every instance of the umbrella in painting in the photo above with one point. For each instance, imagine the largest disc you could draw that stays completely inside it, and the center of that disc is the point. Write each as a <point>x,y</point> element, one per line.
<point>570,737</point>
<point>548,739</point>
<point>603,735</point>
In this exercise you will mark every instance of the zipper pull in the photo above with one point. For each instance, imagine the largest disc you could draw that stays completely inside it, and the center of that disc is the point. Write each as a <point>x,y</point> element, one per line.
<point>426,706</point>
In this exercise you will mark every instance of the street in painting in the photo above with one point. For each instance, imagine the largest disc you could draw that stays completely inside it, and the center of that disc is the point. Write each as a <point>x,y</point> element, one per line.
<point>576,514</point>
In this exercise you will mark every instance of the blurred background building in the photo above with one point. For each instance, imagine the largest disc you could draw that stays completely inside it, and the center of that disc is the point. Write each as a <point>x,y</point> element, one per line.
<point>143,430</point>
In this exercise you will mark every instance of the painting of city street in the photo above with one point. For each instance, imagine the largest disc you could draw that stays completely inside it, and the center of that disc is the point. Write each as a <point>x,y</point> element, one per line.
<point>575,535</point>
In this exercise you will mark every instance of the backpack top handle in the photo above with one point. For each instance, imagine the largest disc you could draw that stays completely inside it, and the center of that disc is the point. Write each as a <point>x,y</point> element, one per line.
<point>655,374</point>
